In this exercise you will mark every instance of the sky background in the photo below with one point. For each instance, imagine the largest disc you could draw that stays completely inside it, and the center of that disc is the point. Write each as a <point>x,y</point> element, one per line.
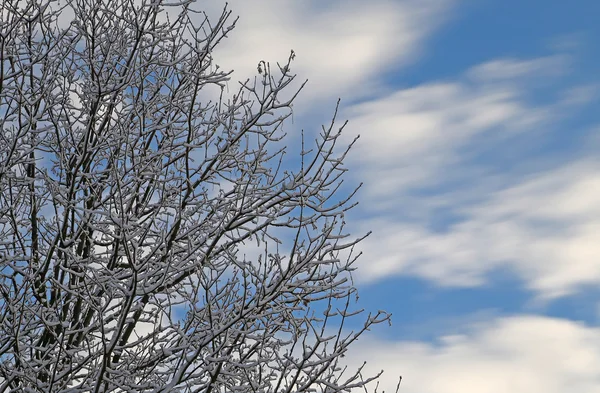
<point>480,134</point>
<point>479,144</point>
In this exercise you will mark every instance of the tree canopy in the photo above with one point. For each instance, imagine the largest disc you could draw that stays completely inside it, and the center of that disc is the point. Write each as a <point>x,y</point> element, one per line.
<point>131,184</point>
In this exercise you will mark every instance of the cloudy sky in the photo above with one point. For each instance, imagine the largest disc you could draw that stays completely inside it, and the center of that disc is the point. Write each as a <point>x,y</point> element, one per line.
<point>479,144</point>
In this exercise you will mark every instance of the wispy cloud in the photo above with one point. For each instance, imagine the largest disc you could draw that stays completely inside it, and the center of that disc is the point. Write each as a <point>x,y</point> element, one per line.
<point>540,224</point>
<point>542,229</point>
<point>342,47</point>
<point>411,136</point>
<point>519,354</point>
<point>512,68</point>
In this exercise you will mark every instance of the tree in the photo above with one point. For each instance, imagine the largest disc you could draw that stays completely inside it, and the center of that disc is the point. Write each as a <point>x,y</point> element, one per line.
<point>127,198</point>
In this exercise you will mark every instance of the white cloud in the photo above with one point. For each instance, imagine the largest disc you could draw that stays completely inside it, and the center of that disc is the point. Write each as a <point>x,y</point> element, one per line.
<point>511,68</point>
<point>542,227</point>
<point>342,46</point>
<point>511,354</point>
<point>550,225</point>
<point>408,138</point>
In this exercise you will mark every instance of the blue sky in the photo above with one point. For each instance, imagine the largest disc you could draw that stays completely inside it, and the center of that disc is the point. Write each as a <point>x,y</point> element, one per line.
<point>479,137</point>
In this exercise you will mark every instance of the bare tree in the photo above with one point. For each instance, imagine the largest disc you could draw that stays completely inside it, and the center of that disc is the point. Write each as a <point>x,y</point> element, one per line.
<point>127,197</point>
